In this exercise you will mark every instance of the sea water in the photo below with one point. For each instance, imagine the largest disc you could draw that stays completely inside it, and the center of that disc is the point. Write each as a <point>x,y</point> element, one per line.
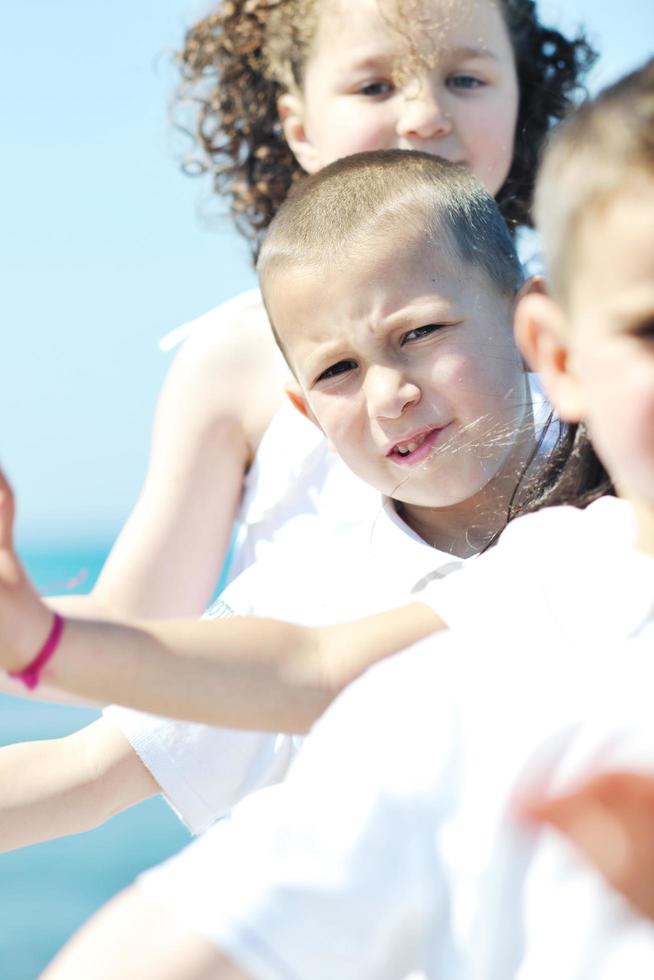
<point>48,890</point>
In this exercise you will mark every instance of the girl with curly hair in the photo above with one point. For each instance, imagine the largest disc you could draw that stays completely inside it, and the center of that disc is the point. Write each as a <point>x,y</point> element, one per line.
<point>240,63</point>
<point>271,90</point>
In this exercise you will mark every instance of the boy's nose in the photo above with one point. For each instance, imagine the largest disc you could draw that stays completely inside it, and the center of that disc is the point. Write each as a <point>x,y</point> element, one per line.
<point>388,393</point>
<point>423,115</point>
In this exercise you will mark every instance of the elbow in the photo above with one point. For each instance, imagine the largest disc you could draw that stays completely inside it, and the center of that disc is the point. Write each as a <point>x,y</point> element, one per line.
<point>315,704</point>
<point>113,778</point>
<point>327,677</point>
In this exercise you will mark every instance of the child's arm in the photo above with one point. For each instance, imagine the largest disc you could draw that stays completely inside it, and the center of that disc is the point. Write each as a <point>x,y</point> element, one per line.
<point>247,673</point>
<point>168,557</point>
<point>56,787</point>
<point>44,693</point>
<point>241,673</point>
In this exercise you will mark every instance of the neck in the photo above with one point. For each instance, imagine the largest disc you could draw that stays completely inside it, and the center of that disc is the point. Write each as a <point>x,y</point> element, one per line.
<point>464,529</point>
<point>456,534</point>
<point>644,511</point>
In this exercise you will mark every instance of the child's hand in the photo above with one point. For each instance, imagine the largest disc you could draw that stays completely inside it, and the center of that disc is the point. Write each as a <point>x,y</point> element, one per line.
<point>611,820</point>
<point>25,620</point>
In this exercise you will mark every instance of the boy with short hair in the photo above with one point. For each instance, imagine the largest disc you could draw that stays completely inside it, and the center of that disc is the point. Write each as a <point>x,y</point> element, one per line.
<point>411,370</point>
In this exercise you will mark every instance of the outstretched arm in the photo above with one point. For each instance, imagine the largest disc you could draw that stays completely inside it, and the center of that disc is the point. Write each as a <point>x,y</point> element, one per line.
<point>44,693</point>
<point>168,558</point>
<point>242,673</point>
<point>56,787</point>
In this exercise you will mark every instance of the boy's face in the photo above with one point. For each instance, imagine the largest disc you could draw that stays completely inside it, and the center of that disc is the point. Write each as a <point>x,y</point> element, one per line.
<point>610,338</point>
<point>462,104</point>
<point>406,361</point>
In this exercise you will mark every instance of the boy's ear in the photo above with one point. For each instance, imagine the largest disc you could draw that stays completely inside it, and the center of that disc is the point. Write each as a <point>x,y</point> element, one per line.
<point>290,108</point>
<point>297,398</point>
<point>540,333</point>
<point>533,286</point>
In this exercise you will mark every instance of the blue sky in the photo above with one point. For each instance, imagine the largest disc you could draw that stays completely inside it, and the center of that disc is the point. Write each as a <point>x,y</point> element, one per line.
<point>103,247</point>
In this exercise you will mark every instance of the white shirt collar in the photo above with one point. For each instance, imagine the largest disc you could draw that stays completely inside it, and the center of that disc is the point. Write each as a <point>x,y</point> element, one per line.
<point>418,562</point>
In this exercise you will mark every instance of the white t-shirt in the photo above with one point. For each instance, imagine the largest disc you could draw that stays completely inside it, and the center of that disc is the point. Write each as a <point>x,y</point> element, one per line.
<point>394,846</point>
<point>561,566</point>
<point>327,578</point>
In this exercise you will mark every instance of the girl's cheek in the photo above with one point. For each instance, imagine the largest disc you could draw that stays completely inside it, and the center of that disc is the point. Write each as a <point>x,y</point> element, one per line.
<point>363,135</point>
<point>493,134</point>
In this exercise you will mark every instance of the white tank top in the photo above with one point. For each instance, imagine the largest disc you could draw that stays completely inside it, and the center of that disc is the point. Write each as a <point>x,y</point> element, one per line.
<point>297,492</point>
<point>297,489</point>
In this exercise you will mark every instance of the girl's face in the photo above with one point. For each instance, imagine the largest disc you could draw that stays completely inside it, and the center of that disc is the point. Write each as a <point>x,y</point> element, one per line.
<point>459,101</point>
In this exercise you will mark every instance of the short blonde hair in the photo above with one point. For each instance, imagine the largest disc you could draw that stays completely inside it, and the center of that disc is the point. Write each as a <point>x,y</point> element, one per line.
<point>380,196</point>
<point>590,158</point>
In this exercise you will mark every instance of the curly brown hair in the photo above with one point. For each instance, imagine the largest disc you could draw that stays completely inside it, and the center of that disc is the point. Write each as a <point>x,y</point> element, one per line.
<point>238,60</point>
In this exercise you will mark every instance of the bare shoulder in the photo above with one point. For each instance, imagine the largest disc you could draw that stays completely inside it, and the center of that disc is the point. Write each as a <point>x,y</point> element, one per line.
<point>229,353</point>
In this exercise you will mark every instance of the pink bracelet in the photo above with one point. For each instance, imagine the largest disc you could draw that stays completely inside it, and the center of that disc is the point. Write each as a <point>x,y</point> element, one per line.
<point>30,675</point>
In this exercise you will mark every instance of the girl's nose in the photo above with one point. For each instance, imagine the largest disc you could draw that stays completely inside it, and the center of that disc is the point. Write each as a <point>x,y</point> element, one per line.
<point>389,393</point>
<point>422,115</point>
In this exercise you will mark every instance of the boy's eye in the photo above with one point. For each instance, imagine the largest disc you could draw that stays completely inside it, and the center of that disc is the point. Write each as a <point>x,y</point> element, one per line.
<point>341,367</point>
<point>645,330</point>
<point>465,83</point>
<point>419,332</point>
<point>375,89</point>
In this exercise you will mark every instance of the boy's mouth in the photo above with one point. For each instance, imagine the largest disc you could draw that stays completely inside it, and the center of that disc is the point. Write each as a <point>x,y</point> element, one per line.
<point>414,450</point>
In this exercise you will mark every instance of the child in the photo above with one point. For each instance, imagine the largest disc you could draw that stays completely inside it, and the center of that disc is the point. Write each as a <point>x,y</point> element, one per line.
<point>271,96</point>
<point>394,310</point>
<point>396,846</point>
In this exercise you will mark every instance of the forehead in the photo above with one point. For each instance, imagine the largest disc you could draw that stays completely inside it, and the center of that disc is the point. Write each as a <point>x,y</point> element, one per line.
<point>423,28</point>
<point>376,289</point>
<point>613,268</point>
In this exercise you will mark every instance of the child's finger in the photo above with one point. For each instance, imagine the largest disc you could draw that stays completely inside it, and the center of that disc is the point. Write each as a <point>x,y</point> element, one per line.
<point>611,821</point>
<point>7,511</point>
<point>622,794</point>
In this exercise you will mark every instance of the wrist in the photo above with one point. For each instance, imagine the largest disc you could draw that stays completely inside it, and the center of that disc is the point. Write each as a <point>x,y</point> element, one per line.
<point>27,633</point>
<point>29,672</point>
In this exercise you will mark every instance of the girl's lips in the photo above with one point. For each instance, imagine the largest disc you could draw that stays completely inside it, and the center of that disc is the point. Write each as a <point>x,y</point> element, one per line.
<point>420,454</point>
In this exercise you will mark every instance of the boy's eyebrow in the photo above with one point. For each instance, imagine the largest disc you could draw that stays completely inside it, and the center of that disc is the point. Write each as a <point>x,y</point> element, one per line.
<point>322,348</point>
<point>426,308</point>
<point>639,301</point>
<point>311,367</point>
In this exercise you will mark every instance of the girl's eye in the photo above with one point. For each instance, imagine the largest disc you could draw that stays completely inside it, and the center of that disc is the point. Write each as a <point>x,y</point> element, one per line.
<point>375,89</point>
<point>465,83</point>
<point>419,332</point>
<point>341,367</point>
